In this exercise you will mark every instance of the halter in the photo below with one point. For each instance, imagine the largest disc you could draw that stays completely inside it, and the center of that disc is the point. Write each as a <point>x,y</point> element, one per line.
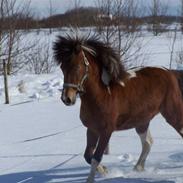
<point>79,87</point>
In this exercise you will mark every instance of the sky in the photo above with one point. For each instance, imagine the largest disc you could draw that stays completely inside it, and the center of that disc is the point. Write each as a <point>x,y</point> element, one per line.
<point>40,8</point>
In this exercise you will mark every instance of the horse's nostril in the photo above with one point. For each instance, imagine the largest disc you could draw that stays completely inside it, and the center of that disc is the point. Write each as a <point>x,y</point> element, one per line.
<point>68,100</point>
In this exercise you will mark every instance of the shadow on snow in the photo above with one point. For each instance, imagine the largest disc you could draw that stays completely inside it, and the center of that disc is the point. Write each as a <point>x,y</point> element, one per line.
<point>66,175</point>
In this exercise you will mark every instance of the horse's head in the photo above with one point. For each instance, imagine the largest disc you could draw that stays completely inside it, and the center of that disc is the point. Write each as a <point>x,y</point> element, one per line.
<point>74,66</point>
<point>75,73</point>
<point>70,53</point>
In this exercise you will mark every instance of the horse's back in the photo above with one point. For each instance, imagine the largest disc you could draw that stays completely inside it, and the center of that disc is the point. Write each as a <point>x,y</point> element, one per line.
<point>153,90</point>
<point>168,82</point>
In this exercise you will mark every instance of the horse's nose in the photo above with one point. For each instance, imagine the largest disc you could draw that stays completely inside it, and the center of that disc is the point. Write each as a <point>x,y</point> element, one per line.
<point>68,100</point>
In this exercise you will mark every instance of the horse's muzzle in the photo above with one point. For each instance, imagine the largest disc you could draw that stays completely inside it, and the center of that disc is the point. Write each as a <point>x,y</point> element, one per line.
<point>68,98</point>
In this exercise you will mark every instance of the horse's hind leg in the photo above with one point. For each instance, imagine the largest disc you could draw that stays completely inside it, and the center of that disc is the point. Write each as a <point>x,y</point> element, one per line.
<point>174,119</point>
<point>172,111</point>
<point>146,140</point>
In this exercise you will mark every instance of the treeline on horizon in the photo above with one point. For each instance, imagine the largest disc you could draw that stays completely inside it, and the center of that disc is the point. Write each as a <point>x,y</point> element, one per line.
<point>84,17</point>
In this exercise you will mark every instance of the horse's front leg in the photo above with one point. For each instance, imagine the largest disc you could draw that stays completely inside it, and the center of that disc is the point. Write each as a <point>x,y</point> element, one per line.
<point>97,157</point>
<point>92,139</point>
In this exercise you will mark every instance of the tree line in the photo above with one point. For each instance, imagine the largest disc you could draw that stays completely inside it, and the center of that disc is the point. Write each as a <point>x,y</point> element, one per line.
<point>130,16</point>
<point>85,17</point>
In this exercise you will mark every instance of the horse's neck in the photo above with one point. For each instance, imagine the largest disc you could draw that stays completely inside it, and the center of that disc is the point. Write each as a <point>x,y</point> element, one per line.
<point>93,86</point>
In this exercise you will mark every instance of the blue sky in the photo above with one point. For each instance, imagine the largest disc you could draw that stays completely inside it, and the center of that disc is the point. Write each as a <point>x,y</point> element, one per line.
<point>40,7</point>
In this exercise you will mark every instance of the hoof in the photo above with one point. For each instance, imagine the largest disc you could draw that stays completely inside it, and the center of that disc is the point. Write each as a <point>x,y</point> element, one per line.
<point>102,170</point>
<point>139,168</point>
<point>89,180</point>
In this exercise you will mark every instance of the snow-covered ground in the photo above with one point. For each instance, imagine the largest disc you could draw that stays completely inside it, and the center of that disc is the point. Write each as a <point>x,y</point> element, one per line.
<point>43,141</point>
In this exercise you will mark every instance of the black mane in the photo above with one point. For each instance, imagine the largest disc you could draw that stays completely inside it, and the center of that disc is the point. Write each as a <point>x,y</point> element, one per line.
<point>64,47</point>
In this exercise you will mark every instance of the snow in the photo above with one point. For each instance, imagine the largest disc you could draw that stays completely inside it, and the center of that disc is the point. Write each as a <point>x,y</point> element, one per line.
<point>43,141</point>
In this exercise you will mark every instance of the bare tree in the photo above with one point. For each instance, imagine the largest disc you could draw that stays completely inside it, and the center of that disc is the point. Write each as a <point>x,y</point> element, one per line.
<point>50,14</point>
<point>1,32</point>
<point>51,11</point>
<point>172,49</point>
<point>104,19</point>
<point>117,26</point>
<point>11,12</point>
<point>158,10</point>
<point>181,14</point>
<point>179,55</point>
<point>39,60</point>
<point>75,20</point>
<point>10,37</point>
<point>3,61</point>
<point>77,5</point>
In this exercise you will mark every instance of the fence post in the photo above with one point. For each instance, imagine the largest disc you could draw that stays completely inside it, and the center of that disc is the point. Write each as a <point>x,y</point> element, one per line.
<point>5,82</point>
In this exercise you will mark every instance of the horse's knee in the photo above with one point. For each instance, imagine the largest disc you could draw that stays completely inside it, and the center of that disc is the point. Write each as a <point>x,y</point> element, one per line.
<point>87,157</point>
<point>97,157</point>
<point>146,139</point>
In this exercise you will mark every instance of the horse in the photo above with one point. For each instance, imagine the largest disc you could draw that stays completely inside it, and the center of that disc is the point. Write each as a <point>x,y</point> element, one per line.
<point>114,98</point>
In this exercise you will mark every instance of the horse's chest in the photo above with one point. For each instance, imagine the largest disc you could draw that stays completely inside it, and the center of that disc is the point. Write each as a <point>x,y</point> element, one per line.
<point>93,117</point>
<point>124,124</point>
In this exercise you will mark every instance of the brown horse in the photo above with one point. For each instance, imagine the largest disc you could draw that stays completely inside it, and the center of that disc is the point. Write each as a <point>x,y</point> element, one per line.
<point>113,98</point>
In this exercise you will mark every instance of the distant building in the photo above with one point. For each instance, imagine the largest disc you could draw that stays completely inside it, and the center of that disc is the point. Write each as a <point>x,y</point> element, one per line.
<point>105,17</point>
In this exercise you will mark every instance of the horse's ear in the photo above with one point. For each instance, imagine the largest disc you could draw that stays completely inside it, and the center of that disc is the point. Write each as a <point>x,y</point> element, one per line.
<point>77,49</point>
<point>105,77</point>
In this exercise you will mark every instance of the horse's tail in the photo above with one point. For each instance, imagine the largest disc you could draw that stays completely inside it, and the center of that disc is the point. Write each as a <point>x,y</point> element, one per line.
<point>179,75</point>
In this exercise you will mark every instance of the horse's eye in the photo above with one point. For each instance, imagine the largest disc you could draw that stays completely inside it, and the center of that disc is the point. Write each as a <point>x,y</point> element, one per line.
<point>78,68</point>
